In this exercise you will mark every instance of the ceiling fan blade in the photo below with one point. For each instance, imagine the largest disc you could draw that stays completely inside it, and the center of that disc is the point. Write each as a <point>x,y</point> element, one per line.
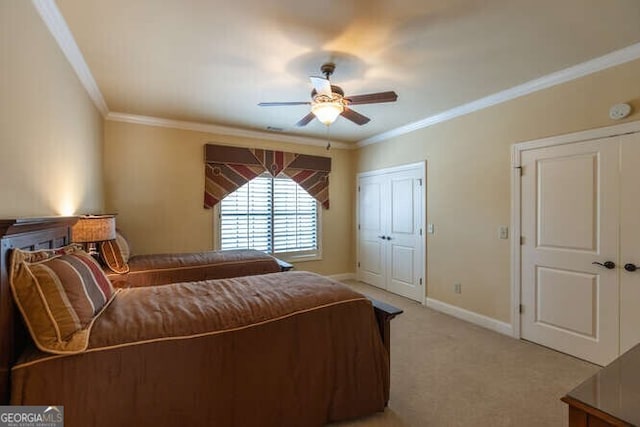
<point>321,85</point>
<point>280,104</point>
<point>355,117</point>
<point>372,98</point>
<point>305,120</point>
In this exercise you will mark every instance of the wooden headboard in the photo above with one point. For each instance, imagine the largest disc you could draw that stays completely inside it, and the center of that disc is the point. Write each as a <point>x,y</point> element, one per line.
<point>30,234</point>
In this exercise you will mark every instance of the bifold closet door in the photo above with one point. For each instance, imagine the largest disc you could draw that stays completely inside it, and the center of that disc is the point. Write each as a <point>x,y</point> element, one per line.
<point>372,219</point>
<point>403,246</point>
<point>390,231</point>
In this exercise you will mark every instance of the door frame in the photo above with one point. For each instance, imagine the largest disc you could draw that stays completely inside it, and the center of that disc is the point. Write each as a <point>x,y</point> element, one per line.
<point>516,197</point>
<point>423,241</point>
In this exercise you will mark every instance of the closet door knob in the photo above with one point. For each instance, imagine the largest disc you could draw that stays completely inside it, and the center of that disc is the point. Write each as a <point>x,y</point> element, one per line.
<point>381,237</point>
<point>388,237</point>
<point>630,267</point>
<point>607,264</point>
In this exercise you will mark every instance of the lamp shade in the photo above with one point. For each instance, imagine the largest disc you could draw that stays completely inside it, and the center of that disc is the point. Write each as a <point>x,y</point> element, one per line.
<point>327,111</point>
<point>94,228</point>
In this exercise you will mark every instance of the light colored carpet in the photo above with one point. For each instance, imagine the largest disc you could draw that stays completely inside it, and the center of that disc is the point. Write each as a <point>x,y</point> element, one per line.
<point>447,372</point>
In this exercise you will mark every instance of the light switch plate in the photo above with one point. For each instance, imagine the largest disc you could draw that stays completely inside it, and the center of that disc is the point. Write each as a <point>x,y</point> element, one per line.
<point>503,232</point>
<point>430,228</point>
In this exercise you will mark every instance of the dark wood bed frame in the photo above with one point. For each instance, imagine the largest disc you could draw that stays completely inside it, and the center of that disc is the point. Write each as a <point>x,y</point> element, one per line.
<point>53,232</point>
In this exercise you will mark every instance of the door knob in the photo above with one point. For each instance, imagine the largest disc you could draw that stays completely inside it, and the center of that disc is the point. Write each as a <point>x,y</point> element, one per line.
<point>381,237</point>
<point>607,264</point>
<point>388,237</point>
<point>630,267</point>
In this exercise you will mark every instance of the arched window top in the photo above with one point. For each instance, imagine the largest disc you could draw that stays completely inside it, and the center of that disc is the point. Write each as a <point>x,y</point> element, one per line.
<point>228,168</point>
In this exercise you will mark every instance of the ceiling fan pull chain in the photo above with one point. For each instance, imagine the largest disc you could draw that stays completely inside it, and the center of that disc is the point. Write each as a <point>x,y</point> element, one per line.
<point>328,139</point>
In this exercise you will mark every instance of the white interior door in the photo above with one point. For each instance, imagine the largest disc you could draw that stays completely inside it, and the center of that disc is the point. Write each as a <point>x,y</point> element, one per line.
<point>570,200</point>
<point>390,236</point>
<point>405,259</point>
<point>629,241</point>
<point>372,218</point>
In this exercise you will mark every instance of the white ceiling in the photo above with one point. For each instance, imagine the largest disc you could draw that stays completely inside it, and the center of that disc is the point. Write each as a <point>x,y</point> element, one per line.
<point>212,61</point>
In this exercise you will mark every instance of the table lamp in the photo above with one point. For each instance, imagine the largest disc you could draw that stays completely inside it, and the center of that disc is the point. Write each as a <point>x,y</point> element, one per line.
<point>91,229</point>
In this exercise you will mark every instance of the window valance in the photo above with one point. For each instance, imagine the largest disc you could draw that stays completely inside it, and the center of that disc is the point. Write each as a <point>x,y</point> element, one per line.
<point>228,168</point>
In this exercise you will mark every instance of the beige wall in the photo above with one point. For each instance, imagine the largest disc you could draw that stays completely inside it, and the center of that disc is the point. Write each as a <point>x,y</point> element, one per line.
<point>155,182</point>
<point>50,132</point>
<point>468,179</point>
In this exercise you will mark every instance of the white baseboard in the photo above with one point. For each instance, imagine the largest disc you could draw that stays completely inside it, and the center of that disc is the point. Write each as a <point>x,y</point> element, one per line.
<point>343,276</point>
<point>471,317</point>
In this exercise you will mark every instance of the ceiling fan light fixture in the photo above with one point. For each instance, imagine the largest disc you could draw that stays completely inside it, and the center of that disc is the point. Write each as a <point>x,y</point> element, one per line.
<point>327,111</point>
<point>328,101</point>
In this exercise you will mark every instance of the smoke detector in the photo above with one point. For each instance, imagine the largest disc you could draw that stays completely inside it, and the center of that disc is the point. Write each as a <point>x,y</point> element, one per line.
<point>619,111</point>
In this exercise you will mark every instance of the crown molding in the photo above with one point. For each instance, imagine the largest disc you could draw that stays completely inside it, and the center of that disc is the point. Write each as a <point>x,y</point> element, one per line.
<point>53,19</point>
<point>50,14</point>
<point>627,54</point>
<point>223,130</point>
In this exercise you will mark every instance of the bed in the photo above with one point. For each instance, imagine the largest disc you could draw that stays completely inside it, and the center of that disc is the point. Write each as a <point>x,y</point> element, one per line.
<point>277,349</point>
<point>158,269</point>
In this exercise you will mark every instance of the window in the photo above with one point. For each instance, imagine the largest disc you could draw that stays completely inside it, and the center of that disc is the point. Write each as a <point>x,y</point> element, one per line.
<point>274,215</point>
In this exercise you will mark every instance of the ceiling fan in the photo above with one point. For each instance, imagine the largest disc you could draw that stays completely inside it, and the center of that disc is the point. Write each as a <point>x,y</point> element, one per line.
<point>328,101</point>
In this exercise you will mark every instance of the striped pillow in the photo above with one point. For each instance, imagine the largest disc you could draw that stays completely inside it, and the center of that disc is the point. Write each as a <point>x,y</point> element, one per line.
<point>112,257</point>
<point>60,293</point>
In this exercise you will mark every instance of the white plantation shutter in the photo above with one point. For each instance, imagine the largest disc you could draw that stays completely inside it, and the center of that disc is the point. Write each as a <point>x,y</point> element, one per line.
<point>274,215</point>
<point>294,217</point>
<point>246,217</point>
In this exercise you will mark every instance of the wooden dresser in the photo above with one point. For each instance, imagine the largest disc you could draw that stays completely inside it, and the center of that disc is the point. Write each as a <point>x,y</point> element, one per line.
<point>609,398</point>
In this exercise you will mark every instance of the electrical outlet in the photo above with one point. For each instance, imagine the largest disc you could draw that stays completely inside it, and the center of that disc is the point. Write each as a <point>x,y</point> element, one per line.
<point>457,288</point>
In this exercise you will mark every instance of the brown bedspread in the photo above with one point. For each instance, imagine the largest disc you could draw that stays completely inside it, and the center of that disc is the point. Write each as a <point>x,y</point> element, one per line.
<point>284,349</point>
<point>160,269</point>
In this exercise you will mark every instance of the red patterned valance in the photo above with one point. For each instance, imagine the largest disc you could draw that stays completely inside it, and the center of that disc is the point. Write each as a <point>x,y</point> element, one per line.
<point>228,168</point>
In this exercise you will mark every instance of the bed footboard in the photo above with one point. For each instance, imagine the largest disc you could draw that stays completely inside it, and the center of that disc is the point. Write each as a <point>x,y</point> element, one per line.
<point>284,265</point>
<point>384,313</point>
